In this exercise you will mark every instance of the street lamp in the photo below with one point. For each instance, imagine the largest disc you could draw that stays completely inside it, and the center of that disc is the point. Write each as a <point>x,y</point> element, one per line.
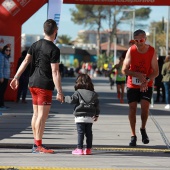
<point>130,32</point>
<point>115,48</point>
<point>153,44</point>
<point>133,29</point>
<point>154,33</point>
<point>133,19</point>
<point>167,33</point>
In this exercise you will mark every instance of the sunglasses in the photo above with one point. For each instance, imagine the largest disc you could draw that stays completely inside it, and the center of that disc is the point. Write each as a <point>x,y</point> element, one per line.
<point>8,50</point>
<point>140,41</point>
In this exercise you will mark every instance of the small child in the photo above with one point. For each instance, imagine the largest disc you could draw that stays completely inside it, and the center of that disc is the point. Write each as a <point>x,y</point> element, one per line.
<point>86,111</point>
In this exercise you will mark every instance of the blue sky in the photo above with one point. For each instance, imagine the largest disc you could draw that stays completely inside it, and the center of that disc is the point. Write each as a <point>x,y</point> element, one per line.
<point>35,24</point>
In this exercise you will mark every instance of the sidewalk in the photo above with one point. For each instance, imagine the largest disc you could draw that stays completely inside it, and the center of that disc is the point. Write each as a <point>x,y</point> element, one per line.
<point>111,135</point>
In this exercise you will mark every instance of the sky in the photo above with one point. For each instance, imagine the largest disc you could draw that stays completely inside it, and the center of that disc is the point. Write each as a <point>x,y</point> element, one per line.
<point>35,24</point>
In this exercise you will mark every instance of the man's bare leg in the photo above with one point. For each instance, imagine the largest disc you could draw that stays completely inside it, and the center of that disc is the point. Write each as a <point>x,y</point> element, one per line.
<point>144,117</point>
<point>144,113</point>
<point>43,112</point>
<point>132,120</point>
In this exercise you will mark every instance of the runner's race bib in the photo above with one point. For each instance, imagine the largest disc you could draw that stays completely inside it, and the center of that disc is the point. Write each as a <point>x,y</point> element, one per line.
<point>135,81</point>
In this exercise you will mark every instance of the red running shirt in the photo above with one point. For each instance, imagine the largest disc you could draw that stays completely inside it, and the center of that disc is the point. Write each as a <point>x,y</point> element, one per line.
<point>140,62</point>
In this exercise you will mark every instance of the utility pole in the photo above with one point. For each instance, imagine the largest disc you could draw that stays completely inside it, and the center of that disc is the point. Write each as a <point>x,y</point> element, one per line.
<point>133,20</point>
<point>115,48</point>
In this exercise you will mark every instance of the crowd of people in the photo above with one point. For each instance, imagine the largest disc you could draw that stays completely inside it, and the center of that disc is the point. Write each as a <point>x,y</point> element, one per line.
<point>41,71</point>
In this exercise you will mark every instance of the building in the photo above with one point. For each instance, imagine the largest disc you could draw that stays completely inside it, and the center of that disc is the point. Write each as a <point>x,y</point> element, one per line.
<point>84,48</point>
<point>70,54</point>
<point>28,39</point>
<point>89,37</point>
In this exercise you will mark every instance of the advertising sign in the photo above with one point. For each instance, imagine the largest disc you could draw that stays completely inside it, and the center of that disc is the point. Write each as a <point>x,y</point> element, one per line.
<point>12,6</point>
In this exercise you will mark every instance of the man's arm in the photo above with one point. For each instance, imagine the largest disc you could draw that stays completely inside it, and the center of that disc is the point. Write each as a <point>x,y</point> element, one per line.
<point>23,66</point>
<point>14,83</point>
<point>153,75</point>
<point>126,64</point>
<point>57,81</point>
<point>155,67</point>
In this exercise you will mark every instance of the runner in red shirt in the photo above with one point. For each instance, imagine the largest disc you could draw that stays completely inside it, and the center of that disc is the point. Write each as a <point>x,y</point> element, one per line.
<point>141,66</point>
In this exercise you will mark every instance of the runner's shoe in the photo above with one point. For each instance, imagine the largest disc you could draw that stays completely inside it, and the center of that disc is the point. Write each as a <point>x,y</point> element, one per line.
<point>121,101</point>
<point>41,149</point>
<point>133,141</point>
<point>34,147</point>
<point>118,95</point>
<point>145,138</point>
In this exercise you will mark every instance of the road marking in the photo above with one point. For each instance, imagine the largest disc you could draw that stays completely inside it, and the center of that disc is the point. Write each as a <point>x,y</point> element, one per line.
<point>60,168</point>
<point>135,149</point>
<point>165,139</point>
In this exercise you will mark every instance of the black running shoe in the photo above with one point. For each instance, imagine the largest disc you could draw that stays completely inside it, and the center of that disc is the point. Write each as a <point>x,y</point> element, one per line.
<point>34,147</point>
<point>133,141</point>
<point>145,138</point>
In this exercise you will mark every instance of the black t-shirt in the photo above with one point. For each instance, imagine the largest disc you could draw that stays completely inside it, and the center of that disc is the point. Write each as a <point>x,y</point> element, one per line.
<point>43,53</point>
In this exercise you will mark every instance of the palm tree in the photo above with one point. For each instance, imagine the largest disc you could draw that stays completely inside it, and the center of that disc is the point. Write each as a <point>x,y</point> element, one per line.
<point>64,39</point>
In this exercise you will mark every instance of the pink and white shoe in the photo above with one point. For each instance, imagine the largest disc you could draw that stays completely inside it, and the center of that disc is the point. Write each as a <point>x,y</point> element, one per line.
<point>77,151</point>
<point>87,152</point>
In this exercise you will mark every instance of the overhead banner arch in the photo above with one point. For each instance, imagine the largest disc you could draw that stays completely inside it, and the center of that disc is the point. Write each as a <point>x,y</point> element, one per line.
<point>120,2</point>
<point>13,13</point>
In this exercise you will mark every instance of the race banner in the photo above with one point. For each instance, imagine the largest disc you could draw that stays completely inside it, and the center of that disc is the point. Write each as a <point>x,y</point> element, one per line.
<point>54,10</point>
<point>120,2</point>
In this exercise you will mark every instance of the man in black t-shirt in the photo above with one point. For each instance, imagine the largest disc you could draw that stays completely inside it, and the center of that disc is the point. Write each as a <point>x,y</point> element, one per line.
<point>44,58</point>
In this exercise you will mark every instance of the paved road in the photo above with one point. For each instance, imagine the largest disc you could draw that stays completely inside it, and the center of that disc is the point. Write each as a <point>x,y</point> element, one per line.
<point>111,136</point>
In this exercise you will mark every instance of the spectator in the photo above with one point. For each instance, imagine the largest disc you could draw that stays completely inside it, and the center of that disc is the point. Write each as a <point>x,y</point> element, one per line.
<point>44,57</point>
<point>61,68</point>
<point>166,79</point>
<point>86,111</point>
<point>5,54</point>
<point>160,89</point>
<point>24,79</point>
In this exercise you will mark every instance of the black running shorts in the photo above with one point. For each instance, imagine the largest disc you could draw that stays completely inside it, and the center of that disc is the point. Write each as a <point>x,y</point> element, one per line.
<point>134,95</point>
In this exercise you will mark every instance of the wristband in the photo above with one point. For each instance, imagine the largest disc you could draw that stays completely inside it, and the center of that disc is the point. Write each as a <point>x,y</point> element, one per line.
<point>59,93</point>
<point>15,77</point>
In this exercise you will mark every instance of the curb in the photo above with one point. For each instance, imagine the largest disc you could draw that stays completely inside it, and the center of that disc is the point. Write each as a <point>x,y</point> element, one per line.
<point>60,168</point>
<point>99,148</point>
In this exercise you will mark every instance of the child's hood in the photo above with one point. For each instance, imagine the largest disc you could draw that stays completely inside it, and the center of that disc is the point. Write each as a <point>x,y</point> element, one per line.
<point>87,95</point>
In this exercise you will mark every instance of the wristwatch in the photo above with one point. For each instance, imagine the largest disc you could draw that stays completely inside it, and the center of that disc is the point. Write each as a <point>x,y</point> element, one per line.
<point>148,79</point>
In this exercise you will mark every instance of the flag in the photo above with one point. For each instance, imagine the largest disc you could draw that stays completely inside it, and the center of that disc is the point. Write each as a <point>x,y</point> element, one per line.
<point>54,10</point>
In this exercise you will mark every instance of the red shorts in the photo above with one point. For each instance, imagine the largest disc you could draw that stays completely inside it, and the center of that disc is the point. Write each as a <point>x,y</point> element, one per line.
<point>41,96</point>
